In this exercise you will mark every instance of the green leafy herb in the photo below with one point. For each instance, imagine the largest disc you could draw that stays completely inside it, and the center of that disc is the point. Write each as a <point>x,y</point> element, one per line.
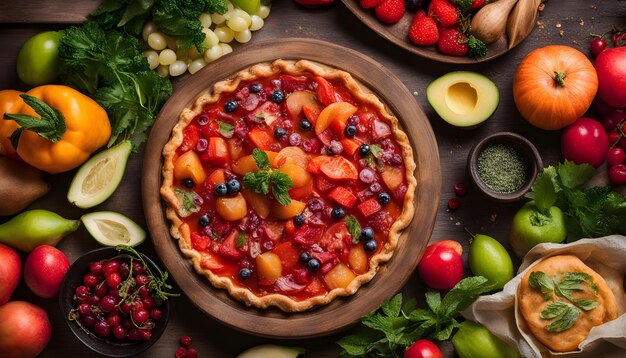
<point>553,310</point>
<point>354,228</point>
<point>188,200</point>
<point>540,281</point>
<point>376,150</point>
<point>109,66</point>
<point>564,320</point>
<point>50,124</point>
<point>463,5</point>
<point>591,212</point>
<point>225,129</point>
<point>477,48</point>
<point>387,331</point>
<point>241,240</point>
<point>172,17</point>
<point>266,178</point>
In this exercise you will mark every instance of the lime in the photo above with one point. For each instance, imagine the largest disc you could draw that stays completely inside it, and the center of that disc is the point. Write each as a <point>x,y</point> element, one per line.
<point>249,6</point>
<point>97,179</point>
<point>111,229</point>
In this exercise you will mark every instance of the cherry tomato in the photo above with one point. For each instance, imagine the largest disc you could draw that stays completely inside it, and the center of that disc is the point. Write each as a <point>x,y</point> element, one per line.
<point>423,349</point>
<point>614,137</point>
<point>597,45</point>
<point>615,156</point>
<point>585,141</point>
<point>441,267</point>
<point>37,61</point>
<point>617,174</point>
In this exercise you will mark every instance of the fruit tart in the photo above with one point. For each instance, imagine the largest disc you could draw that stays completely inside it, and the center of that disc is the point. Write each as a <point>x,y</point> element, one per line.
<point>288,184</point>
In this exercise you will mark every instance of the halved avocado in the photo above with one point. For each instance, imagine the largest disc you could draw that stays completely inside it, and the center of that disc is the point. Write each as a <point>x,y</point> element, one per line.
<point>111,229</point>
<point>463,98</point>
<point>97,179</point>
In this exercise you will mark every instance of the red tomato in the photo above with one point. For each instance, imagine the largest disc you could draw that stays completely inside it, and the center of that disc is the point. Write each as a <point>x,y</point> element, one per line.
<point>441,267</point>
<point>423,349</point>
<point>611,69</point>
<point>585,141</point>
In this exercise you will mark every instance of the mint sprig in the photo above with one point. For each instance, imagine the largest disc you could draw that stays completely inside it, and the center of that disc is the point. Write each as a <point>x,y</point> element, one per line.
<point>266,178</point>
<point>354,228</point>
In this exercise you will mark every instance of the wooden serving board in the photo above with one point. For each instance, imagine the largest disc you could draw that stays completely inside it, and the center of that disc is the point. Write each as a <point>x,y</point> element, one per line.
<point>46,12</point>
<point>342,312</point>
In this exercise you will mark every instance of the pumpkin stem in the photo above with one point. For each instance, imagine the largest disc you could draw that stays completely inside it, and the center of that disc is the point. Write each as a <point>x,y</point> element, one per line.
<point>559,77</point>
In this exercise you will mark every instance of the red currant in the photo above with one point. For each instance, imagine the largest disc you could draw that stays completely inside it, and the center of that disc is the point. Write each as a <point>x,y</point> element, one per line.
<point>84,309</point>
<point>460,189</point>
<point>82,292</point>
<point>138,268</point>
<point>113,279</point>
<point>142,280</point>
<point>107,303</point>
<point>617,174</point>
<point>597,45</point>
<point>114,320</point>
<point>101,289</point>
<point>102,329</point>
<point>144,291</point>
<point>140,315</point>
<point>148,303</point>
<point>454,204</point>
<point>615,156</point>
<point>89,320</point>
<point>185,341</point>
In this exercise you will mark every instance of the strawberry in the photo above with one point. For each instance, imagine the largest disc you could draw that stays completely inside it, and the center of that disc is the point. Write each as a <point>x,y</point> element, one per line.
<point>369,4</point>
<point>444,12</point>
<point>390,11</point>
<point>452,42</point>
<point>423,31</point>
<point>476,4</point>
<point>469,5</point>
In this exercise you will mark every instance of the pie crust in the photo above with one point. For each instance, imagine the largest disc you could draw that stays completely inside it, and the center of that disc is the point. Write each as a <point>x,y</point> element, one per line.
<point>181,232</point>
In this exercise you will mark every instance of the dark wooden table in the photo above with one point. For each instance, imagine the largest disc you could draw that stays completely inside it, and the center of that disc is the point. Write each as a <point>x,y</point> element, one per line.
<point>565,22</point>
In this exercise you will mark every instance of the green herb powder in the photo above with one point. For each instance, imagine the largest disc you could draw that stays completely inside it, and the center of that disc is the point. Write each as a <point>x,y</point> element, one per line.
<point>502,168</point>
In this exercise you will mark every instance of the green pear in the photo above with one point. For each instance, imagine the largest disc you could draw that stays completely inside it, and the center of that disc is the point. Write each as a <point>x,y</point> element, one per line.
<point>36,227</point>
<point>488,258</point>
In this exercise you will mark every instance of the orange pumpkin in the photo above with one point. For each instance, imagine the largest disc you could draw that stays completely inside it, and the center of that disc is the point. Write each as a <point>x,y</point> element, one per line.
<point>553,86</point>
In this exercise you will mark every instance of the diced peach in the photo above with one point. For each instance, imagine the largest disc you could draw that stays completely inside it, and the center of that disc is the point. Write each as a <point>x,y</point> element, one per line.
<point>209,261</point>
<point>338,111</point>
<point>293,154</point>
<point>285,212</point>
<point>298,175</point>
<point>217,152</point>
<point>269,268</point>
<point>358,259</point>
<point>392,176</point>
<point>217,176</point>
<point>298,99</point>
<point>259,203</point>
<point>302,192</point>
<point>231,208</point>
<point>189,166</point>
<point>236,149</point>
<point>350,146</point>
<point>247,164</point>
<point>311,113</point>
<point>315,287</point>
<point>261,138</point>
<point>339,277</point>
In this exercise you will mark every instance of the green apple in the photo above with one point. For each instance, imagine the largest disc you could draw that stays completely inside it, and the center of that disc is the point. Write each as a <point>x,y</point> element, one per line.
<point>531,227</point>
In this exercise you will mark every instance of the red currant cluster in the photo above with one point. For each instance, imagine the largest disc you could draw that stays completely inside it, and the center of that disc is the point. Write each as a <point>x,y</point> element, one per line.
<point>115,301</point>
<point>186,350</point>
<point>599,43</point>
<point>460,189</point>
<point>614,121</point>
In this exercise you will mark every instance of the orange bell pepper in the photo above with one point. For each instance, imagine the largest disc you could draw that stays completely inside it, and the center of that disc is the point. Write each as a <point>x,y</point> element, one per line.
<point>57,128</point>
<point>10,101</point>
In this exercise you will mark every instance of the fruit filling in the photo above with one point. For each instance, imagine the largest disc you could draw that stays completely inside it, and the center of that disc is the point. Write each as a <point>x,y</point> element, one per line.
<point>289,185</point>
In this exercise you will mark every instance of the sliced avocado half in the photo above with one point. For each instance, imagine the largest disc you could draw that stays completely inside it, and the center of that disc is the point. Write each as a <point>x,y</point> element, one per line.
<point>111,229</point>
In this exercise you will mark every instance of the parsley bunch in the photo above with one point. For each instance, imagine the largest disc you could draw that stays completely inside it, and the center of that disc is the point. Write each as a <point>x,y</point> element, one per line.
<point>266,178</point>
<point>394,326</point>
<point>591,212</point>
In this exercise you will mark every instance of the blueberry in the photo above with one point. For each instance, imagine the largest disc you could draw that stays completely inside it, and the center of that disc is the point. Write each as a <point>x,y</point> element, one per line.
<point>278,96</point>
<point>313,264</point>
<point>384,198</point>
<point>279,132</point>
<point>298,219</point>
<point>245,273</point>
<point>204,221</point>
<point>364,149</point>
<point>350,131</point>
<point>367,234</point>
<point>370,245</point>
<point>255,87</point>
<point>305,125</point>
<point>188,183</point>
<point>304,257</point>
<point>233,186</point>
<point>338,213</point>
<point>221,189</point>
<point>230,106</point>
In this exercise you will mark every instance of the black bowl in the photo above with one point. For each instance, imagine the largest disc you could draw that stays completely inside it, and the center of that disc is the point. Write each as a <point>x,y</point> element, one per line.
<point>528,151</point>
<point>106,347</point>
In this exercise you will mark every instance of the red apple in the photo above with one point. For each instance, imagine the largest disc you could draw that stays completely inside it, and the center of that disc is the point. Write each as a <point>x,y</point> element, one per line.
<point>585,141</point>
<point>24,330</point>
<point>441,267</point>
<point>44,270</point>
<point>611,68</point>
<point>10,272</point>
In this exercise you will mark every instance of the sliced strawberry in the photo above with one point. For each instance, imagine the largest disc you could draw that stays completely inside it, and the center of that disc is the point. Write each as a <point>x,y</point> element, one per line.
<point>338,168</point>
<point>217,152</point>
<point>209,261</point>
<point>343,196</point>
<point>289,255</point>
<point>307,235</point>
<point>290,83</point>
<point>325,91</point>
<point>191,135</point>
<point>199,242</point>
<point>228,248</point>
<point>369,207</point>
<point>261,138</point>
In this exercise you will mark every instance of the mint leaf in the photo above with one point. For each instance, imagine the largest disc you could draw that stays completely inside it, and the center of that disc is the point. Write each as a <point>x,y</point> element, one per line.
<point>586,305</point>
<point>540,281</point>
<point>445,331</point>
<point>376,150</point>
<point>564,321</point>
<point>392,307</point>
<point>281,183</point>
<point>241,240</point>
<point>260,158</point>
<point>355,345</point>
<point>462,295</point>
<point>354,228</point>
<point>225,129</point>
<point>544,192</point>
<point>187,200</point>
<point>257,182</point>
<point>553,310</point>
<point>433,300</point>
<point>574,175</point>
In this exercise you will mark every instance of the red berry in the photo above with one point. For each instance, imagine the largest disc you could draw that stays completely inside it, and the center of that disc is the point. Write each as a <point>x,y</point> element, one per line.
<point>119,332</point>
<point>423,31</point>
<point>140,316</point>
<point>95,267</point>
<point>138,268</point>
<point>84,309</point>
<point>93,300</point>
<point>114,320</point>
<point>390,11</point>
<point>111,266</point>
<point>142,280</point>
<point>124,270</point>
<point>615,156</point>
<point>617,174</point>
<point>126,307</point>
<point>454,204</point>
<point>611,119</point>
<point>185,341</point>
<point>444,12</point>
<point>460,189</point>
<point>148,302</point>
<point>135,334</point>
<point>127,323</point>
<point>81,292</point>
<point>102,329</point>
<point>476,4</point>
<point>181,352</point>
<point>192,353</point>
<point>597,45</point>
<point>369,4</point>
<point>144,291</point>
<point>452,42</point>
<point>614,137</point>
<point>107,303</point>
<point>113,279</point>
<point>101,290</point>
<point>91,280</point>
<point>156,313</point>
<point>146,334</point>
<point>113,291</point>
<point>89,320</point>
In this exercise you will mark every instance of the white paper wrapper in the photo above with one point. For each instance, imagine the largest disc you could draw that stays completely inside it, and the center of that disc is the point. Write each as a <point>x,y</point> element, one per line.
<point>606,256</point>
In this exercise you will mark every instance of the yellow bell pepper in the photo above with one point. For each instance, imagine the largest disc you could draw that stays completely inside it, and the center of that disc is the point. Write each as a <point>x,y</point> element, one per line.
<point>59,128</point>
<point>10,101</point>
